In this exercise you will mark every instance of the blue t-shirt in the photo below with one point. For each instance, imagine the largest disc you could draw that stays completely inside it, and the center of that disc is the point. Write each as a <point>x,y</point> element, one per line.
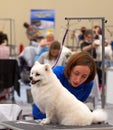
<point>81,92</point>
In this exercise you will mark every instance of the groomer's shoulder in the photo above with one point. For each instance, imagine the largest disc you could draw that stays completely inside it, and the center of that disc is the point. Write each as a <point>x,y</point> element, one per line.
<point>58,69</point>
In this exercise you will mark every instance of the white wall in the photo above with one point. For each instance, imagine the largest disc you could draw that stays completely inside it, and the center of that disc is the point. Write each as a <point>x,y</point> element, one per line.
<point>20,12</point>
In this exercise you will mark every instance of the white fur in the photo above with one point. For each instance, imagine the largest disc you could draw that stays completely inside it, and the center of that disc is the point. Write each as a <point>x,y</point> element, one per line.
<point>57,102</point>
<point>108,50</point>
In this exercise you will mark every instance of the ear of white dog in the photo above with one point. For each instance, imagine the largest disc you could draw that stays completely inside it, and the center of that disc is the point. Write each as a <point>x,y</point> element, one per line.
<point>37,63</point>
<point>47,67</point>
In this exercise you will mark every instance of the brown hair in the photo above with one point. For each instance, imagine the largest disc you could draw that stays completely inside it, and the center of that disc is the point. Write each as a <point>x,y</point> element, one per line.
<point>26,25</point>
<point>54,46</point>
<point>81,58</point>
<point>3,38</point>
<point>88,32</point>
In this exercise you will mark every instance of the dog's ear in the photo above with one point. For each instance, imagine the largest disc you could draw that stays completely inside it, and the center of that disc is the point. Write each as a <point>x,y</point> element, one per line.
<point>47,67</point>
<point>37,63</point>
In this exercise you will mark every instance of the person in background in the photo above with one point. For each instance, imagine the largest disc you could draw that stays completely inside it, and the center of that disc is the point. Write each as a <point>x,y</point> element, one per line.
<point>32,32</point>
<point>4,54</point>
<point>87,44</point>
<point>76,76</point>
<point>53,56</point>
<point>4,50</point>
<point>45,44</point>
<point>81,35</point>
<point>26,60</point>
<point>97,32</point>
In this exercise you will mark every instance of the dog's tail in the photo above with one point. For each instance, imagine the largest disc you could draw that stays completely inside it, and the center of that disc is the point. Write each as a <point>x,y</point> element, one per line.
<point>99,115</point>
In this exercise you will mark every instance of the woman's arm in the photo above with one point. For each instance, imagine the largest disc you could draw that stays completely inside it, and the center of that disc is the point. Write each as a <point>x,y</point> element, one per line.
<point>37,113</point>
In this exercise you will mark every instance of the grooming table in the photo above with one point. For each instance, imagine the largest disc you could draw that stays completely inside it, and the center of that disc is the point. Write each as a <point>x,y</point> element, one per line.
<point>33,125</point>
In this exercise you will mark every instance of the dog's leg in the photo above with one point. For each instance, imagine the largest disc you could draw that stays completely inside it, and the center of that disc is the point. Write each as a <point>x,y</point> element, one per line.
<point>49,118</point>
<point>46,121</point>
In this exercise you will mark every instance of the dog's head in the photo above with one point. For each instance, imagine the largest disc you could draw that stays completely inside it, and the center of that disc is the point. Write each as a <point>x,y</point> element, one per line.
<point>40,74</point>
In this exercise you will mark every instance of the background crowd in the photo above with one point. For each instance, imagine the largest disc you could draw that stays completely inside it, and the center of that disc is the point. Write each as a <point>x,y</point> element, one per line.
<point>47,49</point>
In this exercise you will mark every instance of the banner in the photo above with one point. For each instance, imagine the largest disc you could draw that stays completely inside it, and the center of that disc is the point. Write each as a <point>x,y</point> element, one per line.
<point>44,20</point>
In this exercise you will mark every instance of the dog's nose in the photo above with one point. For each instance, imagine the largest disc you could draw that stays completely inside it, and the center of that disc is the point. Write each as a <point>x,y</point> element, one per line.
<point>30,78</point>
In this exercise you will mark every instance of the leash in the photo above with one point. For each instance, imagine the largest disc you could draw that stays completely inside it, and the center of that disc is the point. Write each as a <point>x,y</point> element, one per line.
<point>60,49</point>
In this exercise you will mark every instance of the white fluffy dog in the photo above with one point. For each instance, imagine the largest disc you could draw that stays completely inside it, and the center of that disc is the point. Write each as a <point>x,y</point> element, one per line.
<point>108,50</point>
<point>59,105</point>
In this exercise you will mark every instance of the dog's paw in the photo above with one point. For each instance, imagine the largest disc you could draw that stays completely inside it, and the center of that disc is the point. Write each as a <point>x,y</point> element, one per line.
<point>45,121</point>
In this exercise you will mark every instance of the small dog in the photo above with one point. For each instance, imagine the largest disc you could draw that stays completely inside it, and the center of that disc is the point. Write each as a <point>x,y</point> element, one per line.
<point>59,105</point>
<point>108,50</point>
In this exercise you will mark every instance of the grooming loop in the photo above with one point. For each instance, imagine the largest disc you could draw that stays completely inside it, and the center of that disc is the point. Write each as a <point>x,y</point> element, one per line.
<point>73,25</point>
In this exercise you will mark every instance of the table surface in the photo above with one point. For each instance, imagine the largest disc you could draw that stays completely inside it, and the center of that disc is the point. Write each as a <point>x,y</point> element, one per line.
<point>34,125</point>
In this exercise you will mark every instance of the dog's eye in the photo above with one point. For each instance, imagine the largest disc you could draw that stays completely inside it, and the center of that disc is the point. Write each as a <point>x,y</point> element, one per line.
<point>37,74</point>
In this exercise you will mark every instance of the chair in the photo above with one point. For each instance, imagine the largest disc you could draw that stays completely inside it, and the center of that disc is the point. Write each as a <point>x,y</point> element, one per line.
<point>9,75</point>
